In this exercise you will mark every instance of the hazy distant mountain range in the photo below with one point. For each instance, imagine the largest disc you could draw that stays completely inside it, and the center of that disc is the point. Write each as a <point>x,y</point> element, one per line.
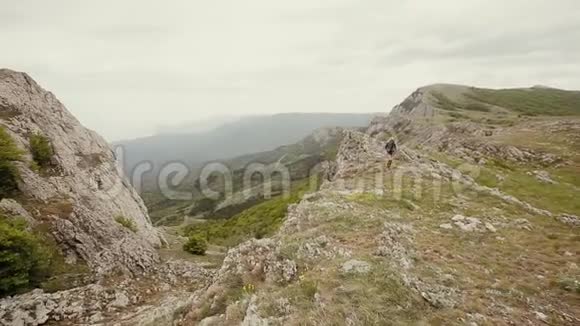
<point>246,135</point>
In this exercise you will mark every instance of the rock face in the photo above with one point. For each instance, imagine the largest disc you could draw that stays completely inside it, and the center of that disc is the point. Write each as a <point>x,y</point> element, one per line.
<point>82,193</point>
<point>154,300</point>
<point>355,266</point>
<point>356,150</point>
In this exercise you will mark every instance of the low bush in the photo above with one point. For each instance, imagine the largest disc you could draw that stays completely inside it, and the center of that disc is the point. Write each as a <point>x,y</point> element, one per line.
<point>196,245</point>
<point>126,222</point>
<point>457,115</point>
<point>24,259</point>
<point>8,179</point>
<point>8,172</point>
<point>474,106</point>
<point>569,285</point>
<point>309,288</point>
<point>41,150</point>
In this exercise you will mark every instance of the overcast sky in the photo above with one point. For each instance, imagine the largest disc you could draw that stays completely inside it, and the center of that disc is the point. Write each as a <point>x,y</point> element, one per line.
<point>124,68</point>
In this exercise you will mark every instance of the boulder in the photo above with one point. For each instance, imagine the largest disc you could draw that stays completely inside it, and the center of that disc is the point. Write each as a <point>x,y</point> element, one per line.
<point>355,267</point>
<point>568,219</point>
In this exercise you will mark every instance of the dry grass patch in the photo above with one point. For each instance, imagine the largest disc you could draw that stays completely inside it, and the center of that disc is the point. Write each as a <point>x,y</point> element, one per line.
<point>510,268</point>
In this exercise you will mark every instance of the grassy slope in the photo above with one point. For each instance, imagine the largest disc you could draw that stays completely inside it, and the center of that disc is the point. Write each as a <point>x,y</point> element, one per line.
<point>510,272</point>
<point>533,101</point>
<point>258,221</point>
<point>503,107</point>
<point>518,179</point>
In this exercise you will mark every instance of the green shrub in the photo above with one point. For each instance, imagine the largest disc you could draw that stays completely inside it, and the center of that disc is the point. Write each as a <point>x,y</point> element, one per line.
<point>569,285</point>
<point>196,245</point>
<point>476,107</point>
<point>457,115</point>
<point>309,288</point>
<point>8,150</point>
<point>41,150</point>
<point>8,179</point>
<point>8,172</point>
<point>126,222</point>
<point>24,260</point>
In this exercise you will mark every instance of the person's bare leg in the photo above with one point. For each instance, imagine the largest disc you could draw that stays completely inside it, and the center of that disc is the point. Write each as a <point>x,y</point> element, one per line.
<point>389,163</point>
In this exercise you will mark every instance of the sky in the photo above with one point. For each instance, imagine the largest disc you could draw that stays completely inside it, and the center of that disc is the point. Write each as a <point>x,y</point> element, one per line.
<point>130,68</point>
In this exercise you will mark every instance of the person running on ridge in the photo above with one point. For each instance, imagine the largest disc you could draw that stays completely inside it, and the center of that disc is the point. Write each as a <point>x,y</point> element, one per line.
<point>391,148</point>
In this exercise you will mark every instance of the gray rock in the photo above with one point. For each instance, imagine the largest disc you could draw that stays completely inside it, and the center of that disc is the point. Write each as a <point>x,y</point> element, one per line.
<point>12,208</point>
<point>258,258</point>
<point>93,302</point>
<point>355,267</point>
<point>439,296</point>
<point>522,223</point>
<point>490,227</point>
<point>394,244</point>
<point>355,152</point>
<point>121,300</point>
<point>541,316</point>
<point>467,224</point>
<point>568,219</point>
<point>163,313</point>
<point>446,226</point>
<point>321,246</point>
<point>252,317</point>
<point>212,321</point>
<point>96,317</point>
<point>543,176</point>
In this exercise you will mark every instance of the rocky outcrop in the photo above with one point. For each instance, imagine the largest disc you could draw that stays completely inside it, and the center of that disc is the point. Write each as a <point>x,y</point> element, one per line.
<point>417,105</point>
<point>419,122</point>
<point>250,262</point>
<point>357,150</point>
<point>141,301</point>
<point>405,118</point>
<point>82,192</point>
<point>568,219</point>
<point>355,266</point>
<point>259,259</point>
<point>478,151</point>
<point>11,208</point>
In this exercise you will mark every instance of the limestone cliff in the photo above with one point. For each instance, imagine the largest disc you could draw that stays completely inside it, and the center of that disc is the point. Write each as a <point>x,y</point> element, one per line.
<point>80,196</point>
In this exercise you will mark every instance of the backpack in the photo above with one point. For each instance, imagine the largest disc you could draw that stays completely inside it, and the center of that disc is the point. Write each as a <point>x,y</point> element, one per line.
<point>391,147</point>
